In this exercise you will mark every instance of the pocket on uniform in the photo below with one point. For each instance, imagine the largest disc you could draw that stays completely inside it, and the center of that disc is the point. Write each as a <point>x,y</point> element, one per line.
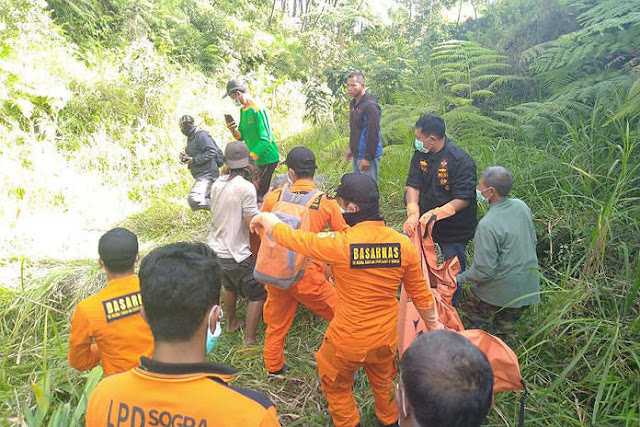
<point>325,358</point>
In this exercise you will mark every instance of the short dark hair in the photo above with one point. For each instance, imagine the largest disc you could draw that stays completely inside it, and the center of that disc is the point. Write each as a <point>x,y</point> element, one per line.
<point>446,368</point>
<point>357,75</point>
<point>304,173</point>
<point>431,124</point>
<point>499,178</point>
<point>179,283</point>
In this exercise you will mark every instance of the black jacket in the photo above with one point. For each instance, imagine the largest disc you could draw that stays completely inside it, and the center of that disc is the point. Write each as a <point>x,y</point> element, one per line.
<point>441,177</point>
<point>365,142</point>
<point>207,156</point>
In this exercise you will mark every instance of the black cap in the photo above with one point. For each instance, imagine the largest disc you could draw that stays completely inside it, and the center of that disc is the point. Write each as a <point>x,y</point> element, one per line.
<point>118,249</point>
<point>301,158</point>
<point>359,188</point>
<point>235,85</point>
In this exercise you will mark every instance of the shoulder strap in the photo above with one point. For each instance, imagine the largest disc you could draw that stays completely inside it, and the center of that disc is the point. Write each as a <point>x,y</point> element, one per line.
<point>313,196</point>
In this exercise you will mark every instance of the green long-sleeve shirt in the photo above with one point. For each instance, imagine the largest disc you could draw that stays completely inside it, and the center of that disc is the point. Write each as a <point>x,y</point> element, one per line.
<point>505,263</point>
<point>255,131</point>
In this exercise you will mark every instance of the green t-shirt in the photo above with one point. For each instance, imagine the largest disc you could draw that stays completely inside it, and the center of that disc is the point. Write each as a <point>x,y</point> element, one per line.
<point>505,265</point>
<point>255,131</point>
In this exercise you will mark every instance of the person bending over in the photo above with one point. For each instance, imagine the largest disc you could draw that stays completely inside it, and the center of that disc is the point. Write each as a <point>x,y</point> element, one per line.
<point>504,273</point>
<point>369,260</point>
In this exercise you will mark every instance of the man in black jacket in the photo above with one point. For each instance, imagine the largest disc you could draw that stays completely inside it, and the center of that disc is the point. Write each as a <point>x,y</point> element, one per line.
<point>202,156</point>
<point>365,143</point>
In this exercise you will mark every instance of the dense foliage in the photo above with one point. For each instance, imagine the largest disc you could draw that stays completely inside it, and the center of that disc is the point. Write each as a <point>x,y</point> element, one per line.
<point>90,94</point>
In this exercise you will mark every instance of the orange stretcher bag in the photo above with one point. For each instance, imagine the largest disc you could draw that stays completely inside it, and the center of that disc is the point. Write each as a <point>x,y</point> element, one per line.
<point>442,279</point>
<point>275,264</point>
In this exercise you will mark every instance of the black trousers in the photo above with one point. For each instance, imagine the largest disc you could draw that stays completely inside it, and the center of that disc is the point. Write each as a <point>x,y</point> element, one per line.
<point>264,180</point>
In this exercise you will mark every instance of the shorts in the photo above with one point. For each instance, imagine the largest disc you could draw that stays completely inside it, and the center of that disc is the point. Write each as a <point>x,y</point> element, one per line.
<point>238,276</point>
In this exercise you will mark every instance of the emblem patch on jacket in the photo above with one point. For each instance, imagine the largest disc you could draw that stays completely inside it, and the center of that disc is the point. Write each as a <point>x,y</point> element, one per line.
<point>124,306</point>
<point>424,166</point>
<point>375,255</point>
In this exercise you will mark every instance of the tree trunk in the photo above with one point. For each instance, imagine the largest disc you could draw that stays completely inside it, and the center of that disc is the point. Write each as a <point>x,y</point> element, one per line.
<point>273,8</point>
<point>459,14</point>
<point>305,18</point>
<point>318,18</point>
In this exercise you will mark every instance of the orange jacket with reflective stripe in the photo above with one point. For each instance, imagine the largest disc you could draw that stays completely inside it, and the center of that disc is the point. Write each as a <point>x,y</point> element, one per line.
<point>108,327</point>
<point>369,260</point>
<point>188,395</point>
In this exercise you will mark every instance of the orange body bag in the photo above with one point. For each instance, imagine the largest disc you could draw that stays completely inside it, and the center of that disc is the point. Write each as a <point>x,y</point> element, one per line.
<point>442,279</point>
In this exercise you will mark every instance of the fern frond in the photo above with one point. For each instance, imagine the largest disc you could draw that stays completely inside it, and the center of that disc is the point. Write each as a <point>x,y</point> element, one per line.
<point>481,93</point>
<point>452,75</point>
<point>483,68</point>
<point>459,87</point>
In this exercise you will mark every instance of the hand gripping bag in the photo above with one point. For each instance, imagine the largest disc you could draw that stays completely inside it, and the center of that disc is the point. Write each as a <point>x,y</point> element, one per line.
<point>275,264</point>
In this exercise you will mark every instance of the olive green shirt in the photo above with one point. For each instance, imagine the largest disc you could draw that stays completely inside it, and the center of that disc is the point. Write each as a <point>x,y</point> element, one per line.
<point>255,131</point>
<point>505,265</point>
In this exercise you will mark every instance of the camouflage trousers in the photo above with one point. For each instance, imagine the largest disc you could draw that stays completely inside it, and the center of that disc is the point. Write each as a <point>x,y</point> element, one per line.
<point>499,321</point>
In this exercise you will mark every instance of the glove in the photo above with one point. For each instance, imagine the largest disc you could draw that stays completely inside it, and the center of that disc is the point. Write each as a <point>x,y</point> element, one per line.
<point>430,317</point>
<point>442,212</point>
<point>413,215</point>
<point>266,220</point>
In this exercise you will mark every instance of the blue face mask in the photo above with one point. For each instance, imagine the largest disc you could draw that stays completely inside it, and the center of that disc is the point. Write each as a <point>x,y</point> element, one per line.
<point>420,146</point>
<point>212,337</point>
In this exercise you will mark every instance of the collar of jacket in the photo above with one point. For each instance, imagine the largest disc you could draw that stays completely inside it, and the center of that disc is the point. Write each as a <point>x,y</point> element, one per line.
<point>186,371</point>
<point>367,97</point>
<point>302,185</point>
<point>122,280</point>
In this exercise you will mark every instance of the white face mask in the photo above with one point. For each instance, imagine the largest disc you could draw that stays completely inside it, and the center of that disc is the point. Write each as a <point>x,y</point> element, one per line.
<point>236,102</point>
<point>420,146</point>
<point>403,399</point>
<point>289,180</point>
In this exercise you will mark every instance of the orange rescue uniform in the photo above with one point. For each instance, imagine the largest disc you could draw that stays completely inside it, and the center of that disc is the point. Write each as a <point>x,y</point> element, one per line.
<point>187,395</point>
<point>369,260</point>
<point>313,290</point>
<point>108,327</point>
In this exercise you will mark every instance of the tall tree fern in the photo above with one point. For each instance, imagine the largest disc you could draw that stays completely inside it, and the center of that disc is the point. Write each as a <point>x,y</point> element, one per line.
<point>469,70</point>
<point>609,37</point>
